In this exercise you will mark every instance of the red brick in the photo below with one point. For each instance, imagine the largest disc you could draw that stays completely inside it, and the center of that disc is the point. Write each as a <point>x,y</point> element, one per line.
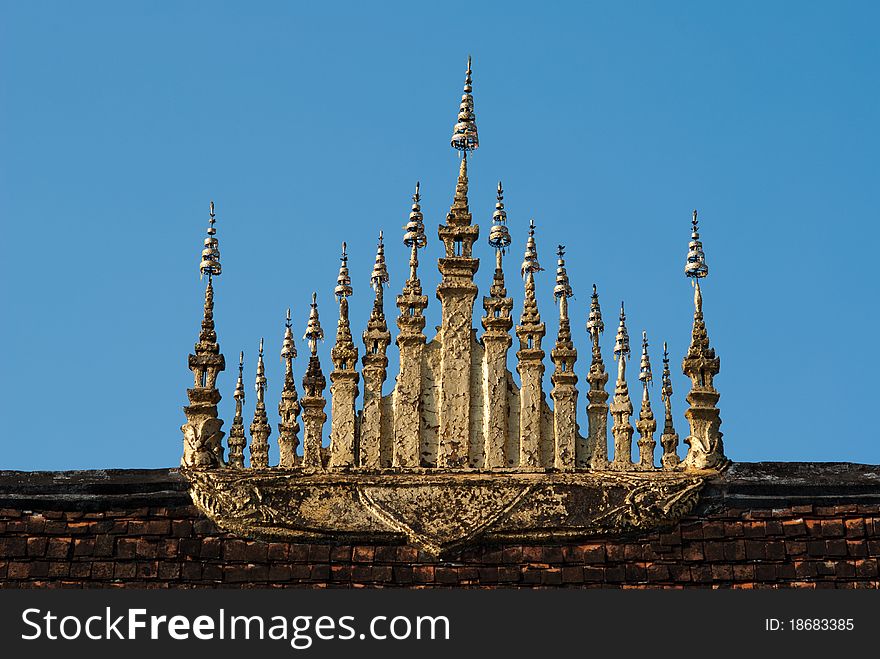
<point>733,530</point>
<point>298,553</point>
<point>722,572</point>
<point>594,553</point>
<point>385,574</point>
<point>754,529</point>
<point>58,569</point>
<point>573,554</point>
<point>423,574</point>
<point>362,554</point>
<point>692,531</point>
<point>102,570</point>
<point>573,574</point>
<point>277,551</point>
<point>384,554</point>
<point>671,538</point>
<point>794,527</point>
<point>319,553</point>
<point>774,550</point>
<point>83,546</point>
<point>744,572</point>
<point>857,548</point>
<point>403,574</point>
<point>692,551</point>
<point>408,554</point>
<point>835,547</point>
<point>756,550</point>
<point>713,551</point>
<point>657,572</point>
<point>532,554</point>
<point>855,528</point>
<point>551,577</point>
<point>36,546</point>
<point>511,555</point>
<point>146,548</point>
<point>181,528</point>
<point>833,528</point>
<point>552,554</point>
<point>15,547</point>
<point>614,552</point>
<point>594,574</point>
<point>866,568</point>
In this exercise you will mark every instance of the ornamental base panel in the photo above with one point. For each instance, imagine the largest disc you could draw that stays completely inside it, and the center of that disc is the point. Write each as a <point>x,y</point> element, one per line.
<point>441,511</point>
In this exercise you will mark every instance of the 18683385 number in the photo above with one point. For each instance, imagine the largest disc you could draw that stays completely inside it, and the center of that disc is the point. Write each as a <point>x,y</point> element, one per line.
<point>821,624</point>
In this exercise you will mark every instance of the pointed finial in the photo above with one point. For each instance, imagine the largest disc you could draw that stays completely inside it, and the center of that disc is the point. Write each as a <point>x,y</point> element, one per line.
<point>621,343</point>
<point>645,367</point>
<point>210,264</point>
<point>314,333</point>
<point>499,236</point>
<point>239,386</point>
<point>695,266</point>
<point>666,380</point>
<point>343,281</point>
<point>595,326</point>
<point>380,270</point>
<point>415,228</point>
<point>260,384</point>
<point>530,260</point>
<point>288,348</point>
<point>464,135</point>
<point>563,287</point>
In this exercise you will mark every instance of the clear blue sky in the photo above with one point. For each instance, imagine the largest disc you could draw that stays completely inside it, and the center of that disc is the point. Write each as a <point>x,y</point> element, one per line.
<point>309,124</point>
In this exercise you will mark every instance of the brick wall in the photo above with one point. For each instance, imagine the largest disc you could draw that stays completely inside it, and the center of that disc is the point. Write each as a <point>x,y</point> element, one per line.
<point>816,532</point>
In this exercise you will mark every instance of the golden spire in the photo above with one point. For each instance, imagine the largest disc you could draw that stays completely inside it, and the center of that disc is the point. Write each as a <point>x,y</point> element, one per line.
<point>621,342</point>
<point>314,333</point>
<point>530,263</point>
<point>379,277</point>
<point>260,428</point>
<point>595,326</point>
<point>562,292</point>
<point>645,375</point>
<point>464,135</point>
<point>343,281</point>
<point>646,424</point>
<point>669,438</point>
<point>288,406</point>
<point>415,237</point>
<point>237,440</point>
<point>210,264</point>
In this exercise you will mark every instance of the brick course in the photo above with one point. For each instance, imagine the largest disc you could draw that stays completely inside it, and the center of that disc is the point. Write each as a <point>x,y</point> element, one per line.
<point>725,544</point>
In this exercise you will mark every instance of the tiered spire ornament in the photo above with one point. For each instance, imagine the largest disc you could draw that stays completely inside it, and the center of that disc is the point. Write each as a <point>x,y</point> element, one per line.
<point>621,407</point>
<point>464,135</point>
<point>237,439</point>
<point>344,377</point>
<point>701,366</point>
<point>372,453</point>
<point>497,341</point>
<point>313,400</point>
<point>411,342</point>
<point>596,454</point>
<point>646,424</point>
<point>564,379</point>
<point>669,438</point>
<point>530,366</point>
<point>288,408</point>
<point>457,293</point>
<point>260,428</point>
<point>202,434</point>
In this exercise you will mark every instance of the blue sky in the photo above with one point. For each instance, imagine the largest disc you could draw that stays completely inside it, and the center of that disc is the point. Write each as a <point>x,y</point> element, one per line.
<point>309,124</point>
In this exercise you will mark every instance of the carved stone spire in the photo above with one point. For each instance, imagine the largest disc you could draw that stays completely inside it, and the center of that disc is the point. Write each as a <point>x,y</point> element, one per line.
<point>669,438</point>
<point>237,440</point>
<point>373,454</point>
<point>646,424</point>
<point>596,454</point>
<point>288,408</point>
<point>313,401</point>
<point>530,364</point>
<point>464,135</point>
<point>260,428</point>
<point>411,342</point>
<point>701,366</point>
<point>497,341</point>
<point>344,377</point>
<point>621,407</point>
<point>202,436</point>
<point>457,292</point>
<point>564,379</point>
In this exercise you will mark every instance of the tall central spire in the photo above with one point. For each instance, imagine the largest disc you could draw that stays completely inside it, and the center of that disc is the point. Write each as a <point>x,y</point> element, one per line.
<point>457,292</point>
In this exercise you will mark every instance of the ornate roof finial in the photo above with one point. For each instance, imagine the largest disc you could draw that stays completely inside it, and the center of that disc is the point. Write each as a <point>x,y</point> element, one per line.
<point>530,260</point>
<point>288,347</point>
<point>464,135</point>
<point>665,379</point>
<point>260,384</point>
<point>621,343</point>
<point>343,281</point>
<point>595,326</point>
<point>314,333</point>
<point>239,386</point>
<point>695,266</point>
<point>379,277</point>
<point>562,288</point>
<point>210,264</point>
<point>645,375</point>
<point>499,236</point>
<point>288,406</point>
